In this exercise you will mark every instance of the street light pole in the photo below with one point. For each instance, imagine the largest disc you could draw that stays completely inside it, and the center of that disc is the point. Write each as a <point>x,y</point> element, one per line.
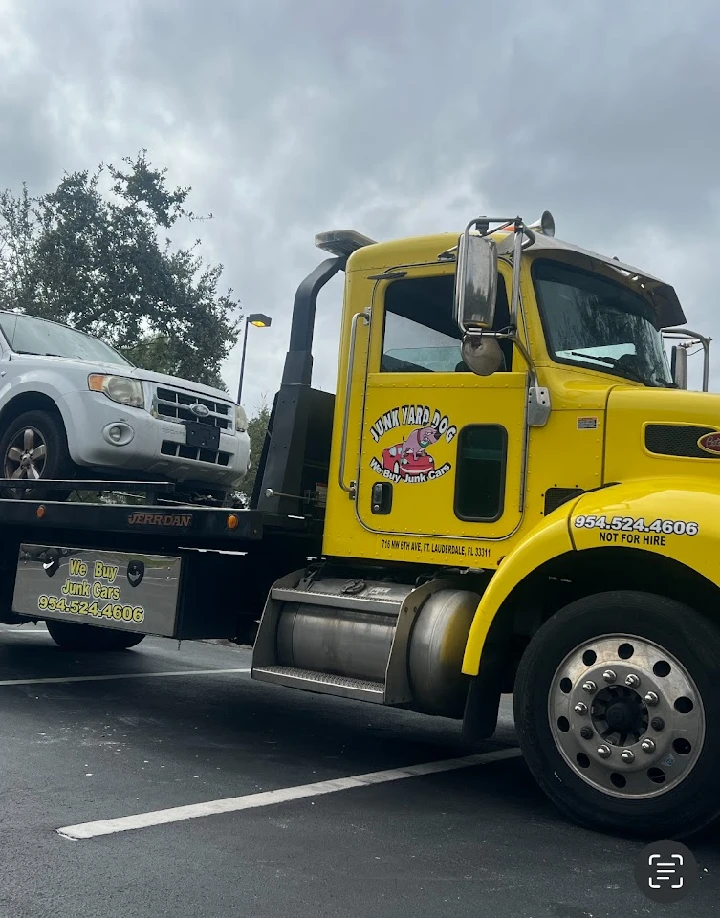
<point>259,321</point>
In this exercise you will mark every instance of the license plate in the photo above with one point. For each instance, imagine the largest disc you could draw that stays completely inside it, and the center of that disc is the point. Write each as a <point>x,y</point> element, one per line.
<point>202,436</point>
<point>136,592</point>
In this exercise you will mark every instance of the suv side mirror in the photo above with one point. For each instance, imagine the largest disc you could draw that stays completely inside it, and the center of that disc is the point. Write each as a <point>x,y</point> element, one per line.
<point>679,366</point>
<point>475,283</point>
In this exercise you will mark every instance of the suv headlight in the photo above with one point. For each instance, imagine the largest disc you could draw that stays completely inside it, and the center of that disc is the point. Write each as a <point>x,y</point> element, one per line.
<point>119,389</point>
<point>241,421</point>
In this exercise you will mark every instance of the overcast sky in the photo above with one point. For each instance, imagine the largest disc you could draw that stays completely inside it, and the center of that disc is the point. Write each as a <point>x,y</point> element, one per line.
<point>396,117</point>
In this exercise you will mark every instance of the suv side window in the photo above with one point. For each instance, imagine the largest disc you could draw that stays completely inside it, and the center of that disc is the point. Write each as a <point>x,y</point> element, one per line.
<point>420,334</point>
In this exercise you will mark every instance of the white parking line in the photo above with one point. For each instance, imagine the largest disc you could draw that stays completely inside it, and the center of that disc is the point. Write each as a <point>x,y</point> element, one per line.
<point>174,672</point>
<point>86,830</point>
<point>24,633</point>
<point>34,631</point>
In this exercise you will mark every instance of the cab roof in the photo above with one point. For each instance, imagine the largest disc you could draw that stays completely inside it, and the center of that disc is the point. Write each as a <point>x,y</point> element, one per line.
<point>381,256</point>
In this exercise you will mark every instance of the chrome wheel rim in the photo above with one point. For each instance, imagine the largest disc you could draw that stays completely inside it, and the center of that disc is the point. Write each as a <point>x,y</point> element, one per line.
<point>626,716</point>
<point>26,455</point>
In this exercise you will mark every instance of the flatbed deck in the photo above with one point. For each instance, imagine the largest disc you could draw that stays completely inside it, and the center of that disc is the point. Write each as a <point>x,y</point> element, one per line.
<point>221,560</point>
<point>152,525</point>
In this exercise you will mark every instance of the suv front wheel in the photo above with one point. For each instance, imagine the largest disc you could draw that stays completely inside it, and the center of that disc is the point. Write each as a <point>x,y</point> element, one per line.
<point>34,447</point>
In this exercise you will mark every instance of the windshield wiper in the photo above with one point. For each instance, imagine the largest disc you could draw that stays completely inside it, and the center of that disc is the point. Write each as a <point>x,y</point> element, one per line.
<point>609,360</point>
<point>614,362</point>
<point>40,354</point>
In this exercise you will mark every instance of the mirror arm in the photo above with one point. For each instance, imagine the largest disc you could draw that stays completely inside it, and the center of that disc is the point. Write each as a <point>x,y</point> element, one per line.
<point>515,338</point>
<point>531,236</point>
<point>517,255</point>
<point>705,341</point>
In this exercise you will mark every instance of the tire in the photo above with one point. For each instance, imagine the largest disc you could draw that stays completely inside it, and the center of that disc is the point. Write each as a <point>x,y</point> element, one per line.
<point>672,786</point>
<point>90,639</point>
<point>34,445</point>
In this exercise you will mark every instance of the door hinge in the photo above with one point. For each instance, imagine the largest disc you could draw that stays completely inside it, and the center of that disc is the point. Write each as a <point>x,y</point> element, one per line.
<point>539,407</point>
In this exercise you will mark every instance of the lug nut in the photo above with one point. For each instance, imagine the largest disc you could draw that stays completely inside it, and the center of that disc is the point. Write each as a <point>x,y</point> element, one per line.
<point>657,723</point>
<point>604,751</point>
<point>632,680</point>
<point>581,708</point>
<point>651,698</point>
<point>586,733</point>
<point>609,675</point>
<point>647,745</point>
<point>627,755</point>
<point>589,687</point>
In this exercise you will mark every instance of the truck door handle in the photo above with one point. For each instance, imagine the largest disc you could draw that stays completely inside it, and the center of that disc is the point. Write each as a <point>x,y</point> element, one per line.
<point>365,317</point>
<point>381,497</point>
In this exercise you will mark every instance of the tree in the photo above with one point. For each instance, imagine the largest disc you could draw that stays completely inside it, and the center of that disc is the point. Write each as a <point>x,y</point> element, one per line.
<point>257,428</point>
<point>97,261</point>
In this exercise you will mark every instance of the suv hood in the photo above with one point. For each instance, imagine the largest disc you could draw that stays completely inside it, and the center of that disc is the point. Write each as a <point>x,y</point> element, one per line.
<point>92,366</point>
<point>163,379</point>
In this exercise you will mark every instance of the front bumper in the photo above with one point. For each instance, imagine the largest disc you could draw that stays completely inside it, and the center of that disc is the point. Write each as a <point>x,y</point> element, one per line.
<point>156,446</point>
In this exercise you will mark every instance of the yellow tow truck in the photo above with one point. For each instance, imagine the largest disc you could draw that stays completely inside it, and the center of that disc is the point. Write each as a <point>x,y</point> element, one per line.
<point>511,492</point>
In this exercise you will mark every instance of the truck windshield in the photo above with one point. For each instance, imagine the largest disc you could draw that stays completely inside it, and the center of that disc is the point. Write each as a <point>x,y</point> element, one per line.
<point>30,335</point>
<point>594,322</point>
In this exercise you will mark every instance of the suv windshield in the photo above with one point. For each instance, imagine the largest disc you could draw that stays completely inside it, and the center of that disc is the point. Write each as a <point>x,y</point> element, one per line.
<point>596,323</point>
<point>30,335</point>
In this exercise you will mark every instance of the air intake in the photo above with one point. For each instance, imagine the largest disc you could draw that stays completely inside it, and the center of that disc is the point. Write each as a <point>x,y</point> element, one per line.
<point>678,440</point>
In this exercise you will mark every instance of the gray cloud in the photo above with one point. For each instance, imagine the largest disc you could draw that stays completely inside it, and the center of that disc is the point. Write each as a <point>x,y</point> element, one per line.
<point>392,117</point>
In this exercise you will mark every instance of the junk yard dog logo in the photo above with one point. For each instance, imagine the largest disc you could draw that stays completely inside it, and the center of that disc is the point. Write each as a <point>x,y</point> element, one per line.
<point>408,459</point>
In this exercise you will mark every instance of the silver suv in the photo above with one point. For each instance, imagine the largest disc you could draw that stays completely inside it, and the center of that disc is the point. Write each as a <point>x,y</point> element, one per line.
<point>69,404</point>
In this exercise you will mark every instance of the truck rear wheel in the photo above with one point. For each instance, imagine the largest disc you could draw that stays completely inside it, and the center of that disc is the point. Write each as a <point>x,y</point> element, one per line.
<point>87,638</point>
<point>617,708</point>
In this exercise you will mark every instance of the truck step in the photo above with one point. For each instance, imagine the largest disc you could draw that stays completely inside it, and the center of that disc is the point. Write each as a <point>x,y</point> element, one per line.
<point>381,606</point>
<point>326,683</point>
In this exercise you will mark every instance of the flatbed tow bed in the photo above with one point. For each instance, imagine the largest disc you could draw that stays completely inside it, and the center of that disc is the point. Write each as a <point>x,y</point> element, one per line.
<point>205,551</point>
<point>182,571</point>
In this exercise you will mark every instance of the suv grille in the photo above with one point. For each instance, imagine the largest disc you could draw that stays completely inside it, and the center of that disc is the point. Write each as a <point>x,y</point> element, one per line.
<point>174,405</point>
<point>216,457</point>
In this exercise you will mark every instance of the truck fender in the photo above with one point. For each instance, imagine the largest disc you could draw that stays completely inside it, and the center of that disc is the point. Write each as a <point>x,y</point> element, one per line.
<point>548,540</point>
<point>685,511</point>
<point>674,518</point>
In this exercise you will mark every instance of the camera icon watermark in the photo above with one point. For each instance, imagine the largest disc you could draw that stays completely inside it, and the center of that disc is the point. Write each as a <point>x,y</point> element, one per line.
<point>666,871</point>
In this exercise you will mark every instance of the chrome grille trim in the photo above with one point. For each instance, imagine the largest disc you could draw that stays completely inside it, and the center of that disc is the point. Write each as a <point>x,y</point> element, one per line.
<point>173,404</point>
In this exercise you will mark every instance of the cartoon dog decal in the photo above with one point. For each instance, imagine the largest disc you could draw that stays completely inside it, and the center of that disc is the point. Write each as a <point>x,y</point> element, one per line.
<point>419,440</point>
<point>410,457</point>
<point>408,460</point>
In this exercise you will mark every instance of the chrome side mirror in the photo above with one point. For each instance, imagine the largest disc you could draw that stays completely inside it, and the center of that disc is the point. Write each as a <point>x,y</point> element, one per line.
<point>679,366</point>
<point>475,283</point>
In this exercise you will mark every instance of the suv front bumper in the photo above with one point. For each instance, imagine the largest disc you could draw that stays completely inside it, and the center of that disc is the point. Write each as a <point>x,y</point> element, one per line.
<point>148,444</point>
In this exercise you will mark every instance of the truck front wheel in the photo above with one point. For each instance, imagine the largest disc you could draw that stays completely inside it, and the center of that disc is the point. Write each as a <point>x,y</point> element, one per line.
<point>617,709</point>
<point>89,639</point>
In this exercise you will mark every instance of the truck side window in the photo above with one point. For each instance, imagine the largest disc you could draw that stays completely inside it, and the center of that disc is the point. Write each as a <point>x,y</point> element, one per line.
<point>420,335</point>
<point>480,472</point>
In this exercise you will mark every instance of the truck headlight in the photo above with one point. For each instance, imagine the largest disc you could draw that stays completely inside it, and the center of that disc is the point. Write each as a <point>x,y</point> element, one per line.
<point>241,421</point>
<point>119,389</point>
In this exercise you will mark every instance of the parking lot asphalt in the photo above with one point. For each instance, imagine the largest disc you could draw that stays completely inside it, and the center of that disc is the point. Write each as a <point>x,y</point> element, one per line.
<point>164,727</point>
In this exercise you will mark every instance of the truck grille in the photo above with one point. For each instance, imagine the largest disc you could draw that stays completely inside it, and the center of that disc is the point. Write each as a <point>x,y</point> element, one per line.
<point>194,453</point>
<point>174,405</point>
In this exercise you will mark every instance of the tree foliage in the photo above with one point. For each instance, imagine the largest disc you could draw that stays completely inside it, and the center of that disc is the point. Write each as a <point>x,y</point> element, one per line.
<point>257,428</point>
<point>101,262</point>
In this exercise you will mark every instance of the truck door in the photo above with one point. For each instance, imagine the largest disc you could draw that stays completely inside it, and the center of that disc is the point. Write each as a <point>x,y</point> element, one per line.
<point>441,448</point>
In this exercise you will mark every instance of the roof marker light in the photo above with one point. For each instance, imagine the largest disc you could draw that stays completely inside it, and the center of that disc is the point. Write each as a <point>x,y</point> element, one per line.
<point>342,242</point>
